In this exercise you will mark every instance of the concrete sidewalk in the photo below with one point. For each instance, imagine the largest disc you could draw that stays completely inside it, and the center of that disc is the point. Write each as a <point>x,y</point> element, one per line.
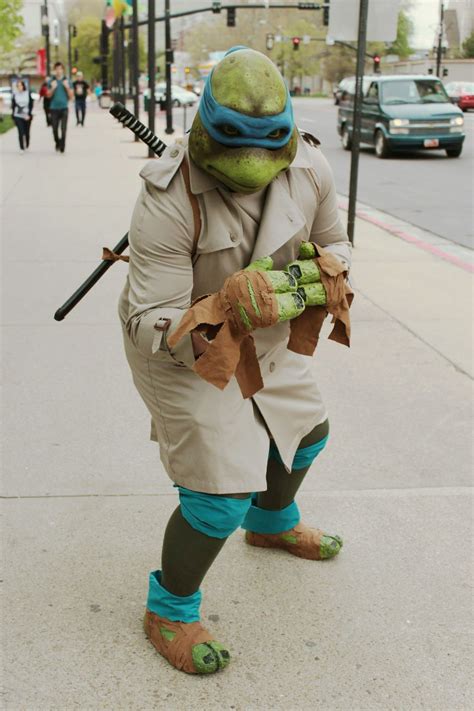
<point>384,626</point>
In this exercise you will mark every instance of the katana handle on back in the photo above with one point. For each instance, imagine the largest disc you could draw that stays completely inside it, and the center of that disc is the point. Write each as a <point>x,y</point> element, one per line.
<point>119,111</point>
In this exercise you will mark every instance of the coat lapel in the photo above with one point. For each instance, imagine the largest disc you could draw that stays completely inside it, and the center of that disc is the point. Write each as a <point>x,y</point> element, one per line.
<point>281,219</point>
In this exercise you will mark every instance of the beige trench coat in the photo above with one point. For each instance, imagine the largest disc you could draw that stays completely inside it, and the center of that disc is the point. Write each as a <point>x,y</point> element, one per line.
<point>210,440</point>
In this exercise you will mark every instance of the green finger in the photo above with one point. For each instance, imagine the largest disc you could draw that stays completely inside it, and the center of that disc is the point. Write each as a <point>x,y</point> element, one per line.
<point>282,281</point>
<point>264,264</point>
<point>306,271</point>
<point>313,294</point>
<point>290,305</point>
<point>307,250</point>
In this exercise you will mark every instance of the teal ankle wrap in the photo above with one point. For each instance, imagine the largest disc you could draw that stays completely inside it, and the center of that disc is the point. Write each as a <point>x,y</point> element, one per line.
<point>265,521</point>
<point>304,456</point>
<point>215,516</point>
<point>173,607</point>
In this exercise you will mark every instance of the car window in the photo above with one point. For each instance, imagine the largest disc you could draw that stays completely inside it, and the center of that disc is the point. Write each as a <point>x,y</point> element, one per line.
<point>373,92</point>
<point>413,91</point>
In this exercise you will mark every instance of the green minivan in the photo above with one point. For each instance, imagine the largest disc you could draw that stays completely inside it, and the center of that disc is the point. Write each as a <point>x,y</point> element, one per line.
<point>403,113</point>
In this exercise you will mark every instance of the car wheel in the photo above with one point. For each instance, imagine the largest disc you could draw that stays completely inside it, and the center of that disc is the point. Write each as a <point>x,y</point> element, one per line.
<point>346,139</point>
<point>381,147</point>
<point>454,152</point>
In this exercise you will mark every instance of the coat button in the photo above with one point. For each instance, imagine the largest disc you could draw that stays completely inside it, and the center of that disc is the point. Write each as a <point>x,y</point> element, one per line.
<point>271,367</point>
<point>233,237</point>
<point>174,152</point>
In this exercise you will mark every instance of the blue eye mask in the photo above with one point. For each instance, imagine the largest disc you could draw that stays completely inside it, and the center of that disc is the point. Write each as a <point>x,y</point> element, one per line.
<point>221,123</point>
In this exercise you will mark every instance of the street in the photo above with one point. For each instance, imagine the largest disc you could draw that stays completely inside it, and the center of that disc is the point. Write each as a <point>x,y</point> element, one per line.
<point>426,189</point>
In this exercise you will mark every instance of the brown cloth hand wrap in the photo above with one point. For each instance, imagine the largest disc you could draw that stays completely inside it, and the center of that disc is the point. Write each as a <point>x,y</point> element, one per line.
<point>233,349</point>
<point>305,329</point>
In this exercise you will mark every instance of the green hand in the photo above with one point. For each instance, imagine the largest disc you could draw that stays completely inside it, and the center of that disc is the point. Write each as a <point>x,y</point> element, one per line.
<point>306,272</point>
<point>290,302</point>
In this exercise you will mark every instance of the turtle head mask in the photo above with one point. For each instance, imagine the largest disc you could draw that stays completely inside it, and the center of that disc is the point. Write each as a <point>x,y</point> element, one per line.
<point>244,133</point>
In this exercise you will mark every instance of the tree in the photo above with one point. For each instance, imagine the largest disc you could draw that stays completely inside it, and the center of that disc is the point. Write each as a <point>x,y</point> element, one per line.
<point>401,46</point>
<point>11,22</point>
<point>339,62</point>
<point>468,46</point>
<point>87,45</point>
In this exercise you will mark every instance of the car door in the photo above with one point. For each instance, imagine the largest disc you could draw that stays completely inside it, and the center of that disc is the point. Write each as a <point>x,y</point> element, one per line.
<point>370,113</point>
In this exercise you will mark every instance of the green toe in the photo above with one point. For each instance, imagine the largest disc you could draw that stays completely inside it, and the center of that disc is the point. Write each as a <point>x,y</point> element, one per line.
<point>329,547</point>
<point>205,659</point>
<point>223,656</point>
<point>339,540</point>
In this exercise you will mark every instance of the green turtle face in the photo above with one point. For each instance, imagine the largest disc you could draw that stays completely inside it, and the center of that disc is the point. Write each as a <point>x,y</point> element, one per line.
<point>249,83</point>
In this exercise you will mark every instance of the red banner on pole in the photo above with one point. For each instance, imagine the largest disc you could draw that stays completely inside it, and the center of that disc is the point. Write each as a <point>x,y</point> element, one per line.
<point>41,62</point>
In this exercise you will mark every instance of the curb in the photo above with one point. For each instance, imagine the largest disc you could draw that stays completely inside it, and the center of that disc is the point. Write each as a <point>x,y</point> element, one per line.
<point>427,241</point>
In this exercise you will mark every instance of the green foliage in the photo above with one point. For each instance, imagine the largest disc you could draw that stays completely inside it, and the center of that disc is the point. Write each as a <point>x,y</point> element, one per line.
<point>6,123</point>
<point>11,22</point>
<point>339,62</point>
<point>468,46</point>
<point>401,46</point>
<point>87,45</point>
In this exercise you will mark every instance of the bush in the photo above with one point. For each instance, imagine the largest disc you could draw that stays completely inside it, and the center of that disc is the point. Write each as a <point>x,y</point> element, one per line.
<point>6,123</point>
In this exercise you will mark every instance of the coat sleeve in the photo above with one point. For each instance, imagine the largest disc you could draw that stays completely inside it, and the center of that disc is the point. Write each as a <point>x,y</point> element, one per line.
<point>160,278</point>
<point>327,229</point>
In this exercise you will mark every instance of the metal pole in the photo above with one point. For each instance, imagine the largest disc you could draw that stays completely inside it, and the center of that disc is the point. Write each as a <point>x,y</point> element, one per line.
<point>123,67</point>
<point>184,118</point>
<point>440,41</point>
<point>104,55</point>
<point>69,50</point>
<point>362,36</point>
<point>151,69</point>
<point>168,60</point>
<point>134,68</point>
<point>48,49</point>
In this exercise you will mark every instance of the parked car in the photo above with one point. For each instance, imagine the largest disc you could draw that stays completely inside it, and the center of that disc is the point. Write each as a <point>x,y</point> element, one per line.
<point>403,113</point>
<point>179,96</point>
<point>461,93</point>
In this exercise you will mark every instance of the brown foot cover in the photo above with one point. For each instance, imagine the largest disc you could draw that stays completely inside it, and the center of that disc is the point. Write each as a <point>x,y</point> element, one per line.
<point>303,541</point>
<point>188,646</point>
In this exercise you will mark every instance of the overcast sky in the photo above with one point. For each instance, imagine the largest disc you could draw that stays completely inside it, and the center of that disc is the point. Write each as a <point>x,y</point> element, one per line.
<point>425,16</point>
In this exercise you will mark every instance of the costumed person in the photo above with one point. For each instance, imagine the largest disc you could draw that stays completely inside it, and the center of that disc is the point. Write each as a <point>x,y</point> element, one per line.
<point>237,254</point>
<point>22,112</point>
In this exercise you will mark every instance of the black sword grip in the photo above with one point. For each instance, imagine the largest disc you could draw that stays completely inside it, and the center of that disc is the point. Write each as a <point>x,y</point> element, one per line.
<point>126,118</point>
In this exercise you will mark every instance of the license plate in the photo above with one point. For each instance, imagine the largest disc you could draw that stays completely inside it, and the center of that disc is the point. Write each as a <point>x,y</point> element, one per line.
<point>431,143</point>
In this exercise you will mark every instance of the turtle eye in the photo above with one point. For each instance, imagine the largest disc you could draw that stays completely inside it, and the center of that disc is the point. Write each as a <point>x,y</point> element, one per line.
<point>276,134</point>
<point>229,130</point>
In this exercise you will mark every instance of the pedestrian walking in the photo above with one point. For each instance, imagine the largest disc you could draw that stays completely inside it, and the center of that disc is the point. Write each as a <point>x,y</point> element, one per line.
<point>81,91</point>
<point>43,92</point>
<point>59,91</point>
<point>22,112</point>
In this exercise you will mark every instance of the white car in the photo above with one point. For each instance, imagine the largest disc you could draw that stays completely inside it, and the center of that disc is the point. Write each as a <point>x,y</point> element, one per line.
<point>6,97</point>
<point>179,96</point>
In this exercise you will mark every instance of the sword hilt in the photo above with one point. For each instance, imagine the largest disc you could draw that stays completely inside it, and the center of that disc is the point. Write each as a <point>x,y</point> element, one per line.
<point>123,115</point>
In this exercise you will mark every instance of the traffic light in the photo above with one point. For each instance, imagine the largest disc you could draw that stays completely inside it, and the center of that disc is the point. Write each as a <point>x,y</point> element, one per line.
<point>296,43</point>
<point>74,31</point>
<point>445,71</point>
<point>231,17</point>
<point>76,55</point>
<point>376,63</point>
<point>74,70</point>
<point>326,15</point>
<point>270,40</point>
<point>216,7</point>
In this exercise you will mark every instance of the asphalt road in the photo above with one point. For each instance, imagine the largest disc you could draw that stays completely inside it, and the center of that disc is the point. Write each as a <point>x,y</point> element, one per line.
<point>426,189</point>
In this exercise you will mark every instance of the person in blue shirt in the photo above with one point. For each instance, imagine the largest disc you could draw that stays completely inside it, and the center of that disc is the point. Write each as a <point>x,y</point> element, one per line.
<point>59,92</point>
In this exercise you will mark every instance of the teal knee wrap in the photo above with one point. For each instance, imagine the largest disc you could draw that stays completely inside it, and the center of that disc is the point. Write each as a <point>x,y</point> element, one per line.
<point>173,607</point>
<point>304,456</point>
<point>215,516</point>
<point>265,521</point>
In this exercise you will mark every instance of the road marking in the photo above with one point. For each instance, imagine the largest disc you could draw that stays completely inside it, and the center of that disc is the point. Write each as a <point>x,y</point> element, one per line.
<point>405,231</point>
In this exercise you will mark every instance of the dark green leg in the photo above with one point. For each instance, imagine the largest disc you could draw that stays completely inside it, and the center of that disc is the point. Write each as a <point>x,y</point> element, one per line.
<point>282,487</point>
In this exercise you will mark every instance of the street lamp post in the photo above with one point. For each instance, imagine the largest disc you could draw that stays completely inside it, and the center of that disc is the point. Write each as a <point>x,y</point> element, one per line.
<point>151,69</point>
<point>45,31</point>
<point>168,63</point>
<point>134,68</point>
<point>439,50</point>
